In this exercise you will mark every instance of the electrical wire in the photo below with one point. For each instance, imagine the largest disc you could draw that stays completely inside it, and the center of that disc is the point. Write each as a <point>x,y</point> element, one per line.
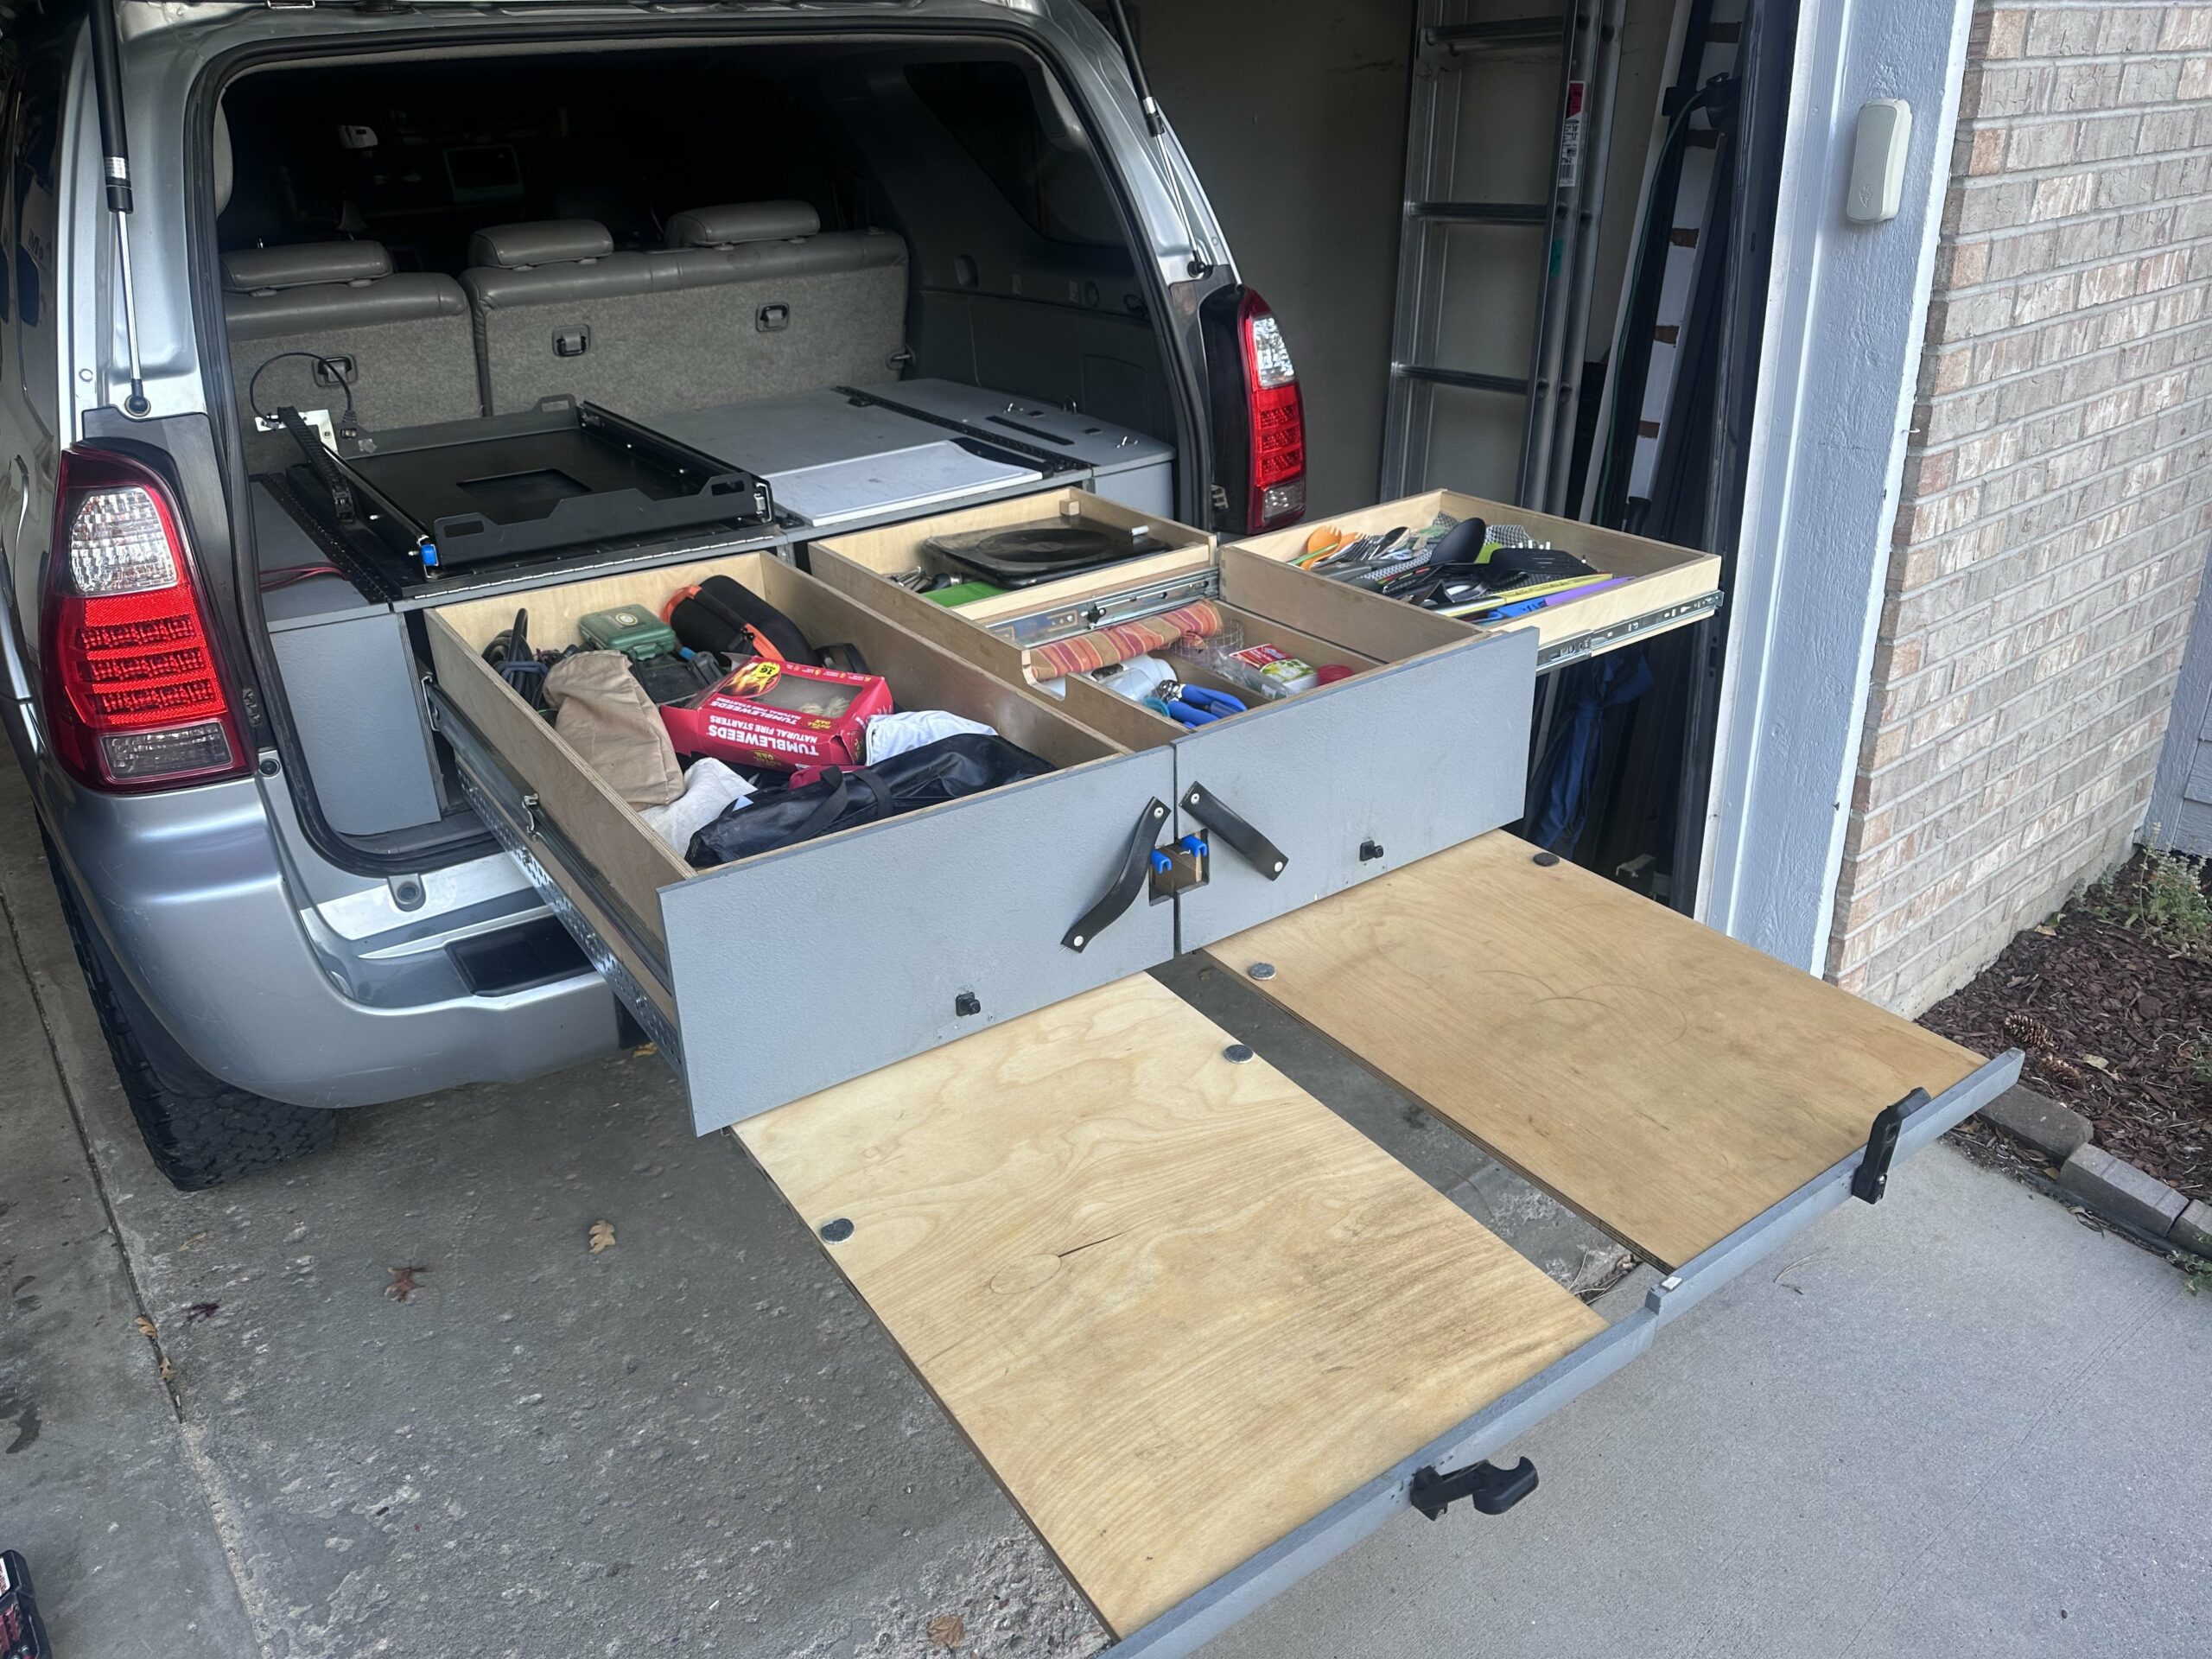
<point>349,426</point>
<point>276,579</point>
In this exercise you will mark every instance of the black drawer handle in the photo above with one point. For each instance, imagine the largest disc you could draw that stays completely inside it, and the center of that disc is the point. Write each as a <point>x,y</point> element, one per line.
<point>1137,867</point>
<point>1256,849</point>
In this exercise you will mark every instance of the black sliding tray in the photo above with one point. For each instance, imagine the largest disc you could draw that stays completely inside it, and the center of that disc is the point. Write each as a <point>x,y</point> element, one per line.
<point>553,479</point>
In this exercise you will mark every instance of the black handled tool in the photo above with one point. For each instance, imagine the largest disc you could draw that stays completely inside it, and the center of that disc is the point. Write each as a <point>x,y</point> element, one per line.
<point>21,1635</point>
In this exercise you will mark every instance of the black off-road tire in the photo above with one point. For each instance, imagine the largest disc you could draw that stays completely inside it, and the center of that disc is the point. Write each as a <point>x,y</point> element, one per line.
<point>199,1131</point>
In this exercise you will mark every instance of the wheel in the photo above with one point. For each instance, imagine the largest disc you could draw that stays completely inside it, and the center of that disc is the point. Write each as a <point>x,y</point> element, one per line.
<point>199,1131</point>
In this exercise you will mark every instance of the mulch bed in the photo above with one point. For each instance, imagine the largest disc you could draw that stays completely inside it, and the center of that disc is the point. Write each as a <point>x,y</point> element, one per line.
<point>2112,1020</point>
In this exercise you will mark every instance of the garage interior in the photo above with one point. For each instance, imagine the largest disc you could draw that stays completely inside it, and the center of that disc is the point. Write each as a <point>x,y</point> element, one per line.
<point>1520,255</point>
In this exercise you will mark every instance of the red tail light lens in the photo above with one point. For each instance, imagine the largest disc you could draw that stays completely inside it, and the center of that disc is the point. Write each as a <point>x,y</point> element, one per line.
<point>1278,418</point>
<point>134,693</point>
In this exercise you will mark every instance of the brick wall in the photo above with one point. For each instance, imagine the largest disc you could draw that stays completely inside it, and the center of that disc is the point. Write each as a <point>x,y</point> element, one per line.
<point>2057,501</point>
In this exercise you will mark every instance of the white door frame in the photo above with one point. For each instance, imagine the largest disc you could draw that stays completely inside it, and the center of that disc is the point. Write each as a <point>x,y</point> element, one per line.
<point>1846,307</point>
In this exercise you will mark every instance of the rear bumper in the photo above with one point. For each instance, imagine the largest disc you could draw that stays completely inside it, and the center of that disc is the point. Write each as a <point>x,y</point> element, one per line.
<point>192,897</point>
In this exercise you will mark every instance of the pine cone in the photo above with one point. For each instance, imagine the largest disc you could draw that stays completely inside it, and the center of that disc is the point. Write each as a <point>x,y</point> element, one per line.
<point>2027,1031</point>
<point>2059,1071</point>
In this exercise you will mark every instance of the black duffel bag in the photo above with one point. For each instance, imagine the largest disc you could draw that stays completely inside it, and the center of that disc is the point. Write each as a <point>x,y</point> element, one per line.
<point>843,797</point>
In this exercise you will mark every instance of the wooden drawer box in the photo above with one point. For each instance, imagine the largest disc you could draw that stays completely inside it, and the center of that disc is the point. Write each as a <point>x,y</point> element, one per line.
<point>1668,586</point>
<point>892,550</point>
<point>784,973</point>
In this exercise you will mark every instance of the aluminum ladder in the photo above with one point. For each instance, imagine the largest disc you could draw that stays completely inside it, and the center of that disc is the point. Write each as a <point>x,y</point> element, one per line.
<point>1453,51</point>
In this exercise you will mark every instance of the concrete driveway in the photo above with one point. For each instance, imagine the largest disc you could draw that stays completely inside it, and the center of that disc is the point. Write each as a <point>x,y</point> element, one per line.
<point>1961,1424</point>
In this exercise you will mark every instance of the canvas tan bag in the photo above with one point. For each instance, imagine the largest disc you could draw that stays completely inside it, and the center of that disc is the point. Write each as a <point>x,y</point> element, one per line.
<point>604,714</point>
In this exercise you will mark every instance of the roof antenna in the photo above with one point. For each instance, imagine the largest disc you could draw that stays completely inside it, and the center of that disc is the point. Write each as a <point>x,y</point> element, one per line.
<point>107,86</point>
<point>1202,260</point>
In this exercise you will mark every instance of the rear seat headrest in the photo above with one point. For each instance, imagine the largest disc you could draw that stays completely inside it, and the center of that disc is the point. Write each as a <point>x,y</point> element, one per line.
<point>742,221</point>
<point>265,270</point>
<point>541,242</point>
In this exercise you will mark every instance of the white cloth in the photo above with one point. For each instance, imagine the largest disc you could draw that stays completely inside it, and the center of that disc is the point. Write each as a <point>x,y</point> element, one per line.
<point>890,734</point>
<point>708,788</point>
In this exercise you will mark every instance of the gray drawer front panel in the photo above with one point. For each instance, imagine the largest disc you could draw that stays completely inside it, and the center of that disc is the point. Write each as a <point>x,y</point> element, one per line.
<point>803,968</point>
<point>1413,757</point>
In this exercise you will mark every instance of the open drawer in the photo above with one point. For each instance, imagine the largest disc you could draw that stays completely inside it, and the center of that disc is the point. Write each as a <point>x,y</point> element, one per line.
<point>1206,1335</point>
<point>1424,745</point>
<point>781,974</point>
<point>1666,587</point>
<point>1063,606</point>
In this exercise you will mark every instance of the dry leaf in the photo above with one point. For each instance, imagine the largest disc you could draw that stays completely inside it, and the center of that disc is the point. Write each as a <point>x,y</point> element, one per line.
<point>601,1237</point>
<point>146,1328</point>
<point>2048,932</point>
<point>947,1631</point>
<point>645,1051</point>
<point>2097,1060</point>
<point>403,1282</point>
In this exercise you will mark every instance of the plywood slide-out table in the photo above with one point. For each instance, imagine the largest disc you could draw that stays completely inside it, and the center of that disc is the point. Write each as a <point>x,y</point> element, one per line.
<point>1201,1329</point>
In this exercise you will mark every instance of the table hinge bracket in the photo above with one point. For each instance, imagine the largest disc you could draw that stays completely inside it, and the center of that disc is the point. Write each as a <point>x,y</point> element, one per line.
<point>1872,1179</point>
<point>1491,1490</point>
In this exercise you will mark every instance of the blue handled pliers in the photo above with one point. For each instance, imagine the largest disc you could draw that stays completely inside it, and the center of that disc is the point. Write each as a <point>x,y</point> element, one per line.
<point>1193,705</point>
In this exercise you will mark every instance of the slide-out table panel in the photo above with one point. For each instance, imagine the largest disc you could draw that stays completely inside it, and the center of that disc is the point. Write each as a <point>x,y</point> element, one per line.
<point>1665,1080</point>
<point>1178,1306</point>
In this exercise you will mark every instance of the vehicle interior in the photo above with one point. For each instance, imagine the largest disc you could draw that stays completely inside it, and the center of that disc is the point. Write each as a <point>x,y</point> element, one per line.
<point>715,244</point>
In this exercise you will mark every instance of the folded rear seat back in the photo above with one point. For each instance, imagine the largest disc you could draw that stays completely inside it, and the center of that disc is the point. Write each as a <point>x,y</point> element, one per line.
<point>398,342</point>
<point>750,301</point>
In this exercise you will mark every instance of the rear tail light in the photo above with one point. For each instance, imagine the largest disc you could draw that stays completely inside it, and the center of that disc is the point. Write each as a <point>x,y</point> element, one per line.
<point>134,692</point>
<point>1278,418</point>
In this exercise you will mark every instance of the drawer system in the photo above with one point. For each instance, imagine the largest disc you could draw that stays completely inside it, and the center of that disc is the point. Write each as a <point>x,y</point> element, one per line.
<point>897,936</point>
<point>1204,1333</point>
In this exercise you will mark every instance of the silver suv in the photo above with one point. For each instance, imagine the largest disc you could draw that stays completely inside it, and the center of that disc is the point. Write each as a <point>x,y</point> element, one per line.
<point>229,226</point>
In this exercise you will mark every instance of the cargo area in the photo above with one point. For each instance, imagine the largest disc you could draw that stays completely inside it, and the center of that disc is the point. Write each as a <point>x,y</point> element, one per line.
<point>878,280</point>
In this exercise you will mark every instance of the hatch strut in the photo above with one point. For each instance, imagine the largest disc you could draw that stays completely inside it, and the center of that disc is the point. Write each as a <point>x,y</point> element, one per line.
<point>107,87</point>
<point>1202,260</point>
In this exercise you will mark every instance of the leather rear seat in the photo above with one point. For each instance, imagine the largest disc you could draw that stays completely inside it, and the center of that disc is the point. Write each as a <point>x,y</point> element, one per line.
<point>748,301</point>
<point>400,341</point>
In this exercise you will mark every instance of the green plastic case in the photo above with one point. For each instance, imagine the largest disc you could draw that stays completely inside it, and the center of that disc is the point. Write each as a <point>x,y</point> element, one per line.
<point>636,632</point>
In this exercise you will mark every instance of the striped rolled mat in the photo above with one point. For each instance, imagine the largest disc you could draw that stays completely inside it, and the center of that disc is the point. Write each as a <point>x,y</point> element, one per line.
<point>1081,652</point>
